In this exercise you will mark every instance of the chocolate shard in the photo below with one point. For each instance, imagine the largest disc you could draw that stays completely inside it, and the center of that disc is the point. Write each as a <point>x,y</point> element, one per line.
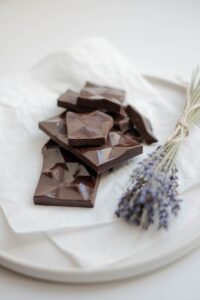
<point>142,124</point>
<point>101,97</point>
<point>88,129</point>
<point>64,180</point>
<point>118,147</point>
<point>69,100</point>
<point>121,121</point>
<point>134,134</point>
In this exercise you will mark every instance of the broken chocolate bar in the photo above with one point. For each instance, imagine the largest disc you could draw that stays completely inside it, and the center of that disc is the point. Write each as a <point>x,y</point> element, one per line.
<point>142,124</point>
<point>118,147</point>
<point>88,129</point>
<point>69,100</point>
<point>65,181</point>
<point>134,134</point>
<point>101,97</point>
<point>121,121</point>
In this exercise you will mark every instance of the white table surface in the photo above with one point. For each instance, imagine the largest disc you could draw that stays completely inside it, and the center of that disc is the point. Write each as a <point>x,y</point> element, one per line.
<point>160,38</point>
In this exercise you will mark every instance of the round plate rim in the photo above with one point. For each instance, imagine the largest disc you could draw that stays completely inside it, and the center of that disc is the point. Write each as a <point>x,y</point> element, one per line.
<point>109,274</point>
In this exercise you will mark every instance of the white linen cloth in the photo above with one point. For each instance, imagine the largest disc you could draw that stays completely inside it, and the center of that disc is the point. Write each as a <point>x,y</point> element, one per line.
<point>93,237</point>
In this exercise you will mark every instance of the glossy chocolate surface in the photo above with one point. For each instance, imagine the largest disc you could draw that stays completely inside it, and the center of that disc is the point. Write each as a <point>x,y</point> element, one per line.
<point>142,124</point>
<point>118,147</point>
<point>101,97</point>
<point>69,100</point>
<point>64,180</point>
<point>88,129</point>
<point>121,121</point>
<point>134,134</point>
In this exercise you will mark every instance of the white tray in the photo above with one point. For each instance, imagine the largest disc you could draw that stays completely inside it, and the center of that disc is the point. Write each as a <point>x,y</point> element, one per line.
<point>40,258</point>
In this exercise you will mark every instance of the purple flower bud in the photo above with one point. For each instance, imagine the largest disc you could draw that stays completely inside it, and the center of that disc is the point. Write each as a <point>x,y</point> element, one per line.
<point>153,188</point>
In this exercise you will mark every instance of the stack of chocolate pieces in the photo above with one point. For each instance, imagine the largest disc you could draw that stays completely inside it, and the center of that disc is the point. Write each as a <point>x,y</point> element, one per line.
<point>95,133</point>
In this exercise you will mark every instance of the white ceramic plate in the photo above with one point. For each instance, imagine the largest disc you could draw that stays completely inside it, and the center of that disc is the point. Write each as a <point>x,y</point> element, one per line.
<point>40,258</point>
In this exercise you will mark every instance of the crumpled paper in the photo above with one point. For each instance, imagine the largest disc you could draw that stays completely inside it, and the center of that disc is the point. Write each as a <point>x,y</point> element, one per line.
<point>94,237</point>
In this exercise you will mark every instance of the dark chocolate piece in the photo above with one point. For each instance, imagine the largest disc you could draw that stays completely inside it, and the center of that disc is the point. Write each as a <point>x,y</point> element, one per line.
<point>64,180</point>
<point>121,121</point>
<point>123,124</point>
<point>101,97</point>
<point>88,129</point>
<point>118,146</point>
<point>141,123</point>
<point>134,134</point>
<point>69,100</point>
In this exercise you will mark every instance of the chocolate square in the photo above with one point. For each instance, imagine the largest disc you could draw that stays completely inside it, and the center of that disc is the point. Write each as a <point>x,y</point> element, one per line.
<point>64,180</point>
<point>88,129</point>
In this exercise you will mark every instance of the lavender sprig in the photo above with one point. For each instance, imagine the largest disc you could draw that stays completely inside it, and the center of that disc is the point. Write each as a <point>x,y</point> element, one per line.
<point>152,195</point>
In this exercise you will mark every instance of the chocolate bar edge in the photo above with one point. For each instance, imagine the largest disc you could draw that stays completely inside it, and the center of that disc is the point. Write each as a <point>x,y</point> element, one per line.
<point>104,167</point>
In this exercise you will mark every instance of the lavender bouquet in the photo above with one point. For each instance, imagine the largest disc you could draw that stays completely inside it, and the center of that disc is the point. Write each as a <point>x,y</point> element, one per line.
<point>152,194</point>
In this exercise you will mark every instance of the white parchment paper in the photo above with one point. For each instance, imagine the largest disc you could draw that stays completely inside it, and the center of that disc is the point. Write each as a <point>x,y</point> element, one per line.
<point>26,99</point>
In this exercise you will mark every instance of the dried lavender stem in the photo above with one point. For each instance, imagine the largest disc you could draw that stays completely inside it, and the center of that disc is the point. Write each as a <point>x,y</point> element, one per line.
<point>152,192</point>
